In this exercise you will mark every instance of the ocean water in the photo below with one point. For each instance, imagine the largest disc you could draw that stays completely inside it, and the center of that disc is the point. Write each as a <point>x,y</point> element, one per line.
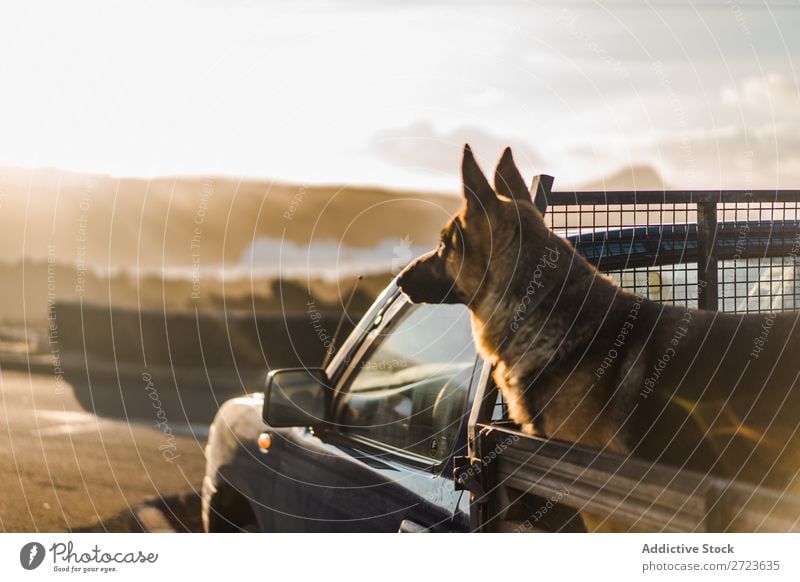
<point>326,259</point>
<point>268,258</point>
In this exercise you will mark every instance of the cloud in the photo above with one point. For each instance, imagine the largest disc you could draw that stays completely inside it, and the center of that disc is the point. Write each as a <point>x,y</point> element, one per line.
<point>757,156</point>
<point>745,135</point>
<point>756,142</point>
<point>769,93</point>
<point>421,147</point>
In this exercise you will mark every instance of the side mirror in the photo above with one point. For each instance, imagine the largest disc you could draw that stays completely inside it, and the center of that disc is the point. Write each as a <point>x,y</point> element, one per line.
<point>296,397</point>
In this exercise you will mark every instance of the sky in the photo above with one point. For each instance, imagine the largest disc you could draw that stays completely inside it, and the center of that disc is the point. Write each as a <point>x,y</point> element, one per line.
<point>386,93</point>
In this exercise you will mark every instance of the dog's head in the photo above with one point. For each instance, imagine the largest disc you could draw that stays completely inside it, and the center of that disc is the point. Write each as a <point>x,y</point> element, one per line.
<point>480,246</point>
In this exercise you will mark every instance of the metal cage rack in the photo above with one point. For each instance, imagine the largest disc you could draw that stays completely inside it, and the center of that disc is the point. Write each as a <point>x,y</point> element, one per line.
<point>743,245</point>
<point>730,250</point>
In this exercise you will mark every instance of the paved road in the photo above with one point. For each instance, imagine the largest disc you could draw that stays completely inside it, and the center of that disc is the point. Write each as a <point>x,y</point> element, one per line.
<point>63,468</point>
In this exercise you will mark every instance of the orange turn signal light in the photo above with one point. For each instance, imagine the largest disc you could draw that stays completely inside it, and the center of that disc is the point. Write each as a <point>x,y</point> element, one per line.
<point>264,442</point>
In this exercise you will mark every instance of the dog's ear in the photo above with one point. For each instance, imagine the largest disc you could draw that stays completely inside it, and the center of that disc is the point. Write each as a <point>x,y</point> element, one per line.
<point>477,191</point>
<point>508,181</point>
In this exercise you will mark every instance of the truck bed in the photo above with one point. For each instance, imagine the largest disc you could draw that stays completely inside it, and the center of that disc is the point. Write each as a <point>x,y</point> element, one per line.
<point>524,483</point>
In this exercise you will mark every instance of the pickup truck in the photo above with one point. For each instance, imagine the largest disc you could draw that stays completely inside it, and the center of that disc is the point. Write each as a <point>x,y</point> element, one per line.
<point>404,431</point>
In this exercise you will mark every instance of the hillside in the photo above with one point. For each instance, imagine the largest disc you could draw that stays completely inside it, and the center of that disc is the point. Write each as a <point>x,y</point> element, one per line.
<point>102,221</point>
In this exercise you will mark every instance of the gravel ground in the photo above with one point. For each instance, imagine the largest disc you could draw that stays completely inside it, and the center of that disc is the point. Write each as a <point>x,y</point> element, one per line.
<point>65,469</point>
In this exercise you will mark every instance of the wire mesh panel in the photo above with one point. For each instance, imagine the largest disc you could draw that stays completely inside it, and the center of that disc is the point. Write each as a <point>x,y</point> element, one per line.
<point>759,244</point>
<point>651,243</point>
<point>673,284</point>
<point>643,246</point>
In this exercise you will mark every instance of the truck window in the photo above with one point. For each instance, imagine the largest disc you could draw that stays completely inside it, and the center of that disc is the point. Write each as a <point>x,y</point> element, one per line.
<point>410,391</point>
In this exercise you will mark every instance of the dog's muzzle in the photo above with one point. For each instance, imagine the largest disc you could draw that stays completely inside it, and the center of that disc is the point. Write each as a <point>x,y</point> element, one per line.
<point>425,281</point>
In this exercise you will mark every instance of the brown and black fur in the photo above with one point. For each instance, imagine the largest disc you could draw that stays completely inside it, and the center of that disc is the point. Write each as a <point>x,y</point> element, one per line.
<point>722,403</point>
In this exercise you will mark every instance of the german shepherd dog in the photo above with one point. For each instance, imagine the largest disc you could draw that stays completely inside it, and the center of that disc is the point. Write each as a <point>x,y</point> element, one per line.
<point>579,359</point>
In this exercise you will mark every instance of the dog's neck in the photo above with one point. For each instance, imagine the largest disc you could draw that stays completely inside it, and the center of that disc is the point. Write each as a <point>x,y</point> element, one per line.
<point>514,320</point>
